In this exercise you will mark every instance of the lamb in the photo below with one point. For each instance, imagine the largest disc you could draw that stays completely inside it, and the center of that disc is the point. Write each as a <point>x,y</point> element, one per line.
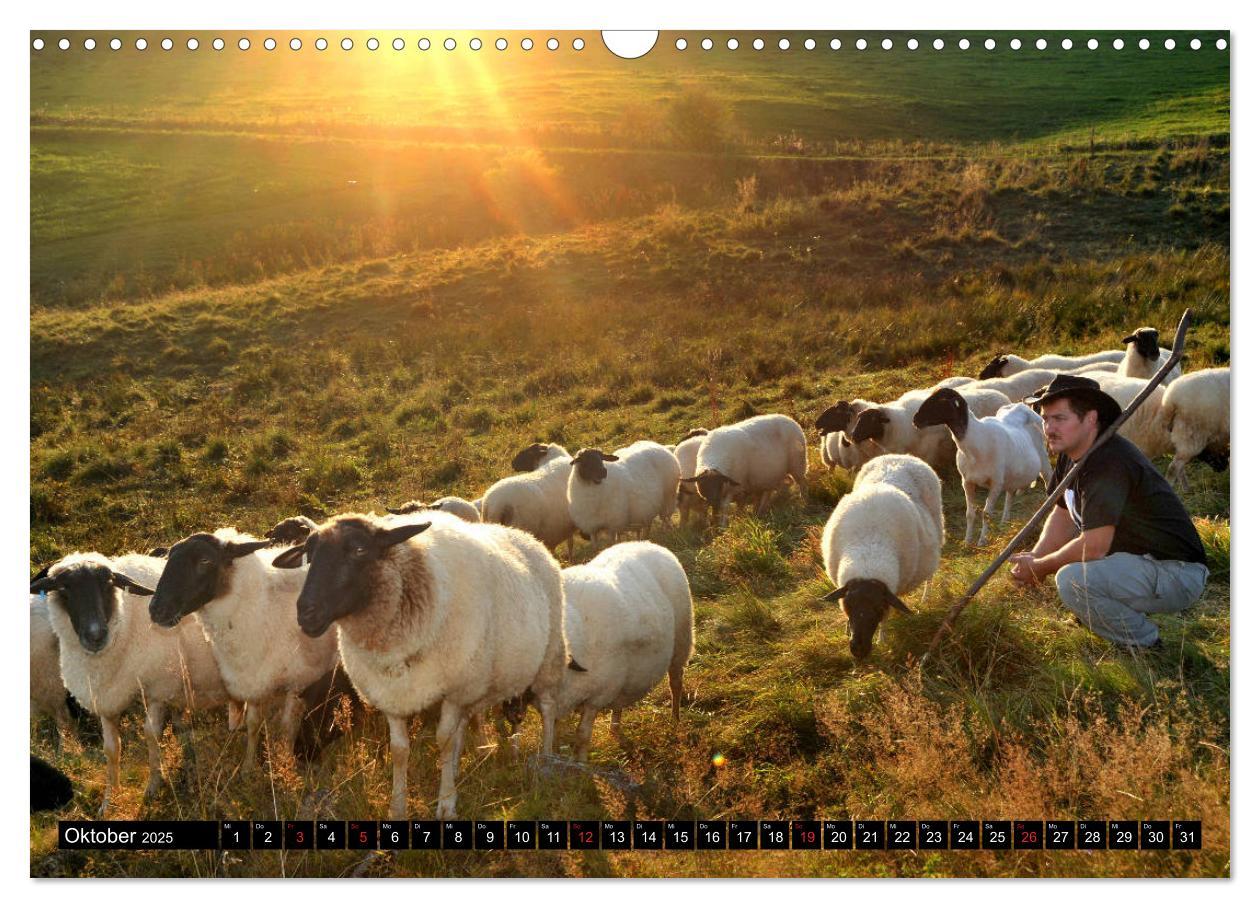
<point>689,500</point>
<point>890,428</point>
<point>1005,365</point>
<point>628,615</point>
<point>882,540</point>
<point>631,487</point>
<point>1003,453</point>
<point>245,608</point>
<point>753,458</point>
<point>112,656</point>
<point>534,501</point>
<point>460,507</point>
<point>48,691</point>
<point>1196,412</point>
<point>1143,356</point>
<point>437,612</point>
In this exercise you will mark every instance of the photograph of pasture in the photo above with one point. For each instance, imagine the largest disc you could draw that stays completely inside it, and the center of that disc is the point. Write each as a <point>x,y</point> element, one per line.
<point>367,478</point>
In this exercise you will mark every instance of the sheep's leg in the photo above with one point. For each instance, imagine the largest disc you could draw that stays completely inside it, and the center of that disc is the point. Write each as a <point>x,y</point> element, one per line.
<point>616,724</point>
<point>1006,507</point>
<point>585,727</point>
<point>399,753</point>
<point>291,719</point>
<point>990,503</point>
<point>546,705</point>
<point>1177,472</point>
<point>969,491</point>
<point>253,725</point>
<point>675,688</point>
<point>154,722</point>
<point>236,712</point>
<point>882,635</point>
<point>569,548</point>
<point>450,737</point>
<point>113,757</point>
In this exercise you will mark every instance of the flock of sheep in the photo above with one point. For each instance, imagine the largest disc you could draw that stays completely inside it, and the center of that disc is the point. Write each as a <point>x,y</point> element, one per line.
<point>460,606</point>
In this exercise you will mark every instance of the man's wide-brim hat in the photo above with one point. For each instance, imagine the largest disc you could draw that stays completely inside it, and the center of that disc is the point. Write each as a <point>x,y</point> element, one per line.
<point>1085,390</point>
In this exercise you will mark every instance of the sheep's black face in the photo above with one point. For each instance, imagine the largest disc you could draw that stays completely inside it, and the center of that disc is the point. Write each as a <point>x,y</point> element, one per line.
<point>835,418</point>
<point>945,407</point>
<point>291,530</point>
<point>86,591</point>
<point>344,558</point>
<point>529,458</point>
<point>713,486</point>
<point>869,426</point>
<point>590,464</point>
<point>197,570</point>
<point>994,368</point>
<point>866,604</point>
<point>1147,342</point>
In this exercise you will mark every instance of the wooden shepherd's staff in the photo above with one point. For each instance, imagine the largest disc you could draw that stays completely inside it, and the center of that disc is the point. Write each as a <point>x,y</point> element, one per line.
<point>1178,348</point>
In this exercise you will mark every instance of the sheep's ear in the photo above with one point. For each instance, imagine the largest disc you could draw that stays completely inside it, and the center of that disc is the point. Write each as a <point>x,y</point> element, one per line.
<point>241,549</point>
<point>123,582</point>
<point>896,603</point>
<point>573,665</point>
<point>1128,340</point>
<point>610,457</point>
<point>41,573</point>
<point>290,557</point>
<point>44,583</point>
<point>391,537</point>
<point>837,594</point>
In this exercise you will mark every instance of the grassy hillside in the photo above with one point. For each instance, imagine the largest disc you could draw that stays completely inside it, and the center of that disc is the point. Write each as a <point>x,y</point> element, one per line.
<point>246,305</point>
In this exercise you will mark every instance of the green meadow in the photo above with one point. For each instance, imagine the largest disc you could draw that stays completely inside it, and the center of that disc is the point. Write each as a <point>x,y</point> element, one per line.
<point>270,283</point>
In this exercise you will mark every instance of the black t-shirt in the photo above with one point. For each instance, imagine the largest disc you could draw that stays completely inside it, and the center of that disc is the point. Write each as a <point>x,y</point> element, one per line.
<point>1119,487</point>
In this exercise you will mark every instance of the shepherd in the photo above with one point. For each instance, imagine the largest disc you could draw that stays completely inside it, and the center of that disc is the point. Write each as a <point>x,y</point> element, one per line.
<point>1118,541</point>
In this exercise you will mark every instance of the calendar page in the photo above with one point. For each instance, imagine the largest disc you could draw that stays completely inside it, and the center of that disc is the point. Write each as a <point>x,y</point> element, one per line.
<point>669,454</point>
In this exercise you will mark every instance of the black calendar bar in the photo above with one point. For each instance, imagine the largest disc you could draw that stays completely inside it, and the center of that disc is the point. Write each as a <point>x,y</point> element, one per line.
<point>639,835</point>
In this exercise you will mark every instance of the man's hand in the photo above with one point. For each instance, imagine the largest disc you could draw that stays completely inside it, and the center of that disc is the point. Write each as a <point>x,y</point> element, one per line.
<point>1022,571</point>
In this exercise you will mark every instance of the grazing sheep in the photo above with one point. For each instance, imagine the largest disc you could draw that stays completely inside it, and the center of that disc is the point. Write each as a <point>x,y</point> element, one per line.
<point>1143,357</point>
<point>1003,453</point>
<point>1020,385</point>
<point>833,425</point>
<point>882,540</point>
<point>1196,411</point>
<point>113,656</point>
<point>48,691</point>
<point>245,607</point>
<point>631,487</point>
<point>753,459</point>
<point>627,615</point>
<point>441,612</point>
<point>1005,365</point>
<point>460,507</point>
<point>689,500</point>
<point>535,500</point>
<point>890,428</point>
<point>954,381</point>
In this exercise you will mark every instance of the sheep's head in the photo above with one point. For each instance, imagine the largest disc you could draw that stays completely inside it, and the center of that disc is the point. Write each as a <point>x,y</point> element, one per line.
<point>835,418</point>
<point>409,507</point>
<point>1146,340</point>
<point>291,530</point>
<point>197,571</point>
<point>945,407</point>
<point>995,367</point>
<point>528,459</point>
<point>344,555</point>
<point>87,590</point>
<point>589,463</point>
<point>714,486</point>
<point>869,426</point>
<point>694,433</point>
<point>866,603</point>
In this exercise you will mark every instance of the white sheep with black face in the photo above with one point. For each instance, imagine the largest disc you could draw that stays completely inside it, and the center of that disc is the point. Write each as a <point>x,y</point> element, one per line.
<point>535,500</point>
<point>751,459</point>
<point>689,500</point>
<point>1004,453</point>
<point>1196,411</point>
<point>431,610</point>
<point>890,428</point>
<point>834,425</point>
<point>1143,357</point>
<point>112,656</point>
<point>1004,365</point>
<point>882,540</point>
<point>629,618</point>
<point>246,609</point>
<point>626,490</point>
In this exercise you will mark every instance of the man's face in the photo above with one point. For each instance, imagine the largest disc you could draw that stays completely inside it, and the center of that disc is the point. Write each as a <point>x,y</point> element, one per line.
<point>1065,431</point>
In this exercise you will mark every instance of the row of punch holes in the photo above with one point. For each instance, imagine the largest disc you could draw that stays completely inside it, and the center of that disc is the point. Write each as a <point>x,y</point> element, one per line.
<point>705,44</point>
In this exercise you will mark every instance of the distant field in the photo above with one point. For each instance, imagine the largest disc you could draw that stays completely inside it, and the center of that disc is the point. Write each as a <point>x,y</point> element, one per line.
<point>271,283</point>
